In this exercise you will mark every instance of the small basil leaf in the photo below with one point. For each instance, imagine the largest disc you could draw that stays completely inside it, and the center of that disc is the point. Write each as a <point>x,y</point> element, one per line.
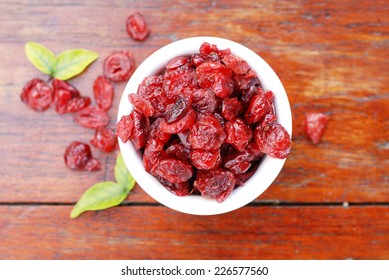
<point>122,175</point>
<point>100,196</point>
<point>72,62</point>
<point>41,57</point>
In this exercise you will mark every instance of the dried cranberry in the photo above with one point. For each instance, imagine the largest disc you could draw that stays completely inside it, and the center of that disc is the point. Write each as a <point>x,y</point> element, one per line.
<point>124,128</point>
<point>60,86</point>
<point>206,49</point>
<point>204,101</point>
<point>153,155</point>
<point>78,156</point>
<point>203,159</point>
<point>156,136</point>
<point>183,135</point>
<point>185,122</point>
<point>140,130</point>
<point>259,106</point>
<point>196,59</point>
<point>91,117</point>
<point>274,140</point>
<point>231,108</point>
<point>119,66</point>
<point>314,126</point>
<point>37,95</point>
<point>173,170</point>
<point>137,27</point>
<point>207,133</point>
<point>76,104</point>
<point>104,139</point>
<point>238,134</point>
<point>176,111</point>
<point>180,189</point>
<point>103,91</point>
<point>141,104</point>
<point>178,151</point>
<point>177,62</point>
<point>151,89</point>
<point>177,81</point>
<point>217,183</point>
<point>236,64</point>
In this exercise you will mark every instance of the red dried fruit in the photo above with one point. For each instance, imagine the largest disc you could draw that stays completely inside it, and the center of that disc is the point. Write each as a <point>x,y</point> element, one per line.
<point>314,126</point>
<point>209,71</point>
<point>178,151</point>
<point>104,139</point>
<point>196,59</point>
<point>183,135</point>
<point>177,62</point>
<point>141,104</point>
<point>103,91</point>
<point>78,156</point>
<point>151,89</point>
<point>185,122</point>
<point>173,170</point>
<point>236,64</point>
<point>217,183</point>
<point>119,66</point>
<point>207,133</point>
<point>203,159</point>
<point>204,101</point>
<point>273,140</point>
<point>76,104</point>
<point>153,155</point>
<point>140,129</point>
<point>176,111</point>
<point>59,85</point>
<point>137,27</point>
<point>91,117</point>
<point>180,189</point>
<point>177,81</point>
<point>238,134</point>
<point>124,128</point>
<point>259,106</point>
<point>231,108</point>
<point>37,95</point>
<point>206,49</point>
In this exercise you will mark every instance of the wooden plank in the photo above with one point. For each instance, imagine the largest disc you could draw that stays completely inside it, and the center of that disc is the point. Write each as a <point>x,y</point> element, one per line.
<point>143,232</point>
<point>330,55</point>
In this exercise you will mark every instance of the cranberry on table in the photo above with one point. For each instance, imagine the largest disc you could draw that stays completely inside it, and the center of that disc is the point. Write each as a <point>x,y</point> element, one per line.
<point>37,95</point>
<point>314,126</point>
<point>104,139</point>
<point>91,117</point>
<point>119,66</point>
<point>103,92</point>
<point>78,156</point>
<point>137,27</point>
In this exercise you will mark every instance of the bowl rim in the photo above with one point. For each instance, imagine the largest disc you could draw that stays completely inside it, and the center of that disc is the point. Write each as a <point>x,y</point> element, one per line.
<point>270,167</point>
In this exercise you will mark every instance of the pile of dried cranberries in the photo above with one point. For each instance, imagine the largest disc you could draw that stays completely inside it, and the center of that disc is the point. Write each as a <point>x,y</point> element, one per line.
<point>204,124</point>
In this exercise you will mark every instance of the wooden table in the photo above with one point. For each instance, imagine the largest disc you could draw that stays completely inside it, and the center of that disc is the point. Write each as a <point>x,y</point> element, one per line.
<point>331,201</point>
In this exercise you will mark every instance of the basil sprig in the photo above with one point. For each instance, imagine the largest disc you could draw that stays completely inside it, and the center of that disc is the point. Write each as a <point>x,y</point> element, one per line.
<point>64,66</point>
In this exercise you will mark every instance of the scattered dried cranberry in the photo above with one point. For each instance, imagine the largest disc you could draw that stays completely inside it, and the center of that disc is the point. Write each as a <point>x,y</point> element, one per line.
<point>199,139</point>
<point>105,139</point>
<point>119,66</point>
<point>37,95</point>
<point>314,126</point>
<point>91,117</point>
<point>68,98</point>
<point>103,92</point>
<point>78,156</point>
<point>136,27</point>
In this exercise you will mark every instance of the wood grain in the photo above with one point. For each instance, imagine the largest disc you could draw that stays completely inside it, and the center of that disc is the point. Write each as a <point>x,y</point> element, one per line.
<point>160,233</point>
<point>330,58</point>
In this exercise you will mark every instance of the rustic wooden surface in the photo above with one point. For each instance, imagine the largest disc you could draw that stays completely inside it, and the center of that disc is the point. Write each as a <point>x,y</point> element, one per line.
<point>331,201</point>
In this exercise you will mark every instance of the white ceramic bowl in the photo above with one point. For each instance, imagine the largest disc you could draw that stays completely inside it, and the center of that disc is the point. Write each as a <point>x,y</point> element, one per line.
<point>267,170</point>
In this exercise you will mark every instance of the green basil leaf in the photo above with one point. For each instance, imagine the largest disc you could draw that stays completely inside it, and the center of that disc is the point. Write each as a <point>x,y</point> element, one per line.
<point>122,175</point>
<point>72,62</point>
<point>100,196</point>
<point>41,57</point>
